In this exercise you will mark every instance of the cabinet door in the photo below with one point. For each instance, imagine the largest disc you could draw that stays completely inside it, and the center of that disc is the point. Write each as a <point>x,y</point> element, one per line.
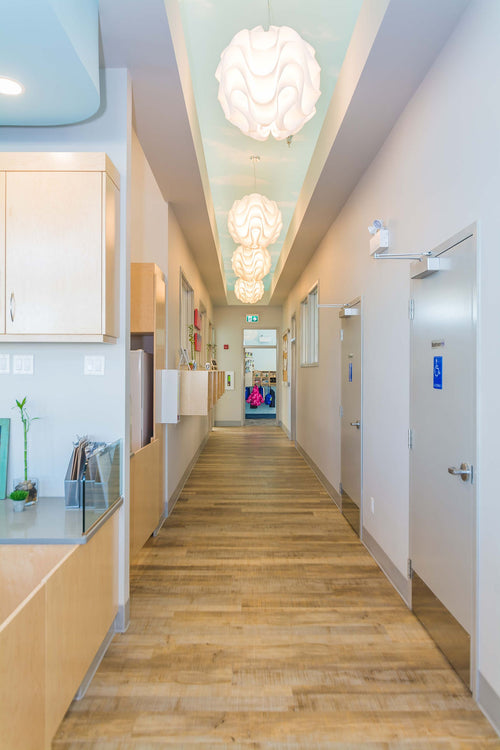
<point>2,252</point>
<point>53,253</point>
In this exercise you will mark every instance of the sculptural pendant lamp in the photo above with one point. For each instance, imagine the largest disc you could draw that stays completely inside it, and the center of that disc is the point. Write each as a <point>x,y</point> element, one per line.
<point>251,263</point>
<point>254,220</point>
<point>269,82</point>
<point>249,292</point>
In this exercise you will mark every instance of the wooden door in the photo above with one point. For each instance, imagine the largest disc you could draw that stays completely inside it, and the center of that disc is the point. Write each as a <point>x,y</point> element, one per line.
<point>53,253</point>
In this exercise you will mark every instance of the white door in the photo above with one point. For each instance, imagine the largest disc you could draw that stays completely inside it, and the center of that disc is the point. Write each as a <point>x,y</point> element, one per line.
<point>442,518</point>
<point>350,430</point>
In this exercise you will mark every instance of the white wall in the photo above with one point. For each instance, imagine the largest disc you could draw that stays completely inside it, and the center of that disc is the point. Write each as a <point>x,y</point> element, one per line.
<point>69,403</point>
<point>438,172</point>
<point>264,359</point>
<point>229,324</point>
<point>149,213</point>
<point>183,439</point>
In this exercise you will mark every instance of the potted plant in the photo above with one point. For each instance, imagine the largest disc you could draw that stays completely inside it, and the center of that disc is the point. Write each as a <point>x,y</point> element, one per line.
<point>192,361</point>
<point>26,484</point>
<point>18,498</point>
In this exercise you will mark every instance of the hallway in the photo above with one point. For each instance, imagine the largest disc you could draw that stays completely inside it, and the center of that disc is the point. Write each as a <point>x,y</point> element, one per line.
<point>258,619</point>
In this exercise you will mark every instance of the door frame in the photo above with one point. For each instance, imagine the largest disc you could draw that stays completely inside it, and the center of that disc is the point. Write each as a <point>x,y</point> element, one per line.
<point>249,327</point>
<point>356,302</point>
<point>293,375</point>
<point>469,232</point>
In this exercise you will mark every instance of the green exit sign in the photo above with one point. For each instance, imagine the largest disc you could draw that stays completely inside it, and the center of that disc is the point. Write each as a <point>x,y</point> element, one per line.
<point>252,318</point>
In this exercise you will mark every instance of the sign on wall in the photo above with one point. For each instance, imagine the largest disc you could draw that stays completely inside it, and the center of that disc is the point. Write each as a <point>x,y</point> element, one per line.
<point>252,318</point>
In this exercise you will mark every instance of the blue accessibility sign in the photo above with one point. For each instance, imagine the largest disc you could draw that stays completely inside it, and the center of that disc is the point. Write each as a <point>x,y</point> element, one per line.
<point>438,373</point>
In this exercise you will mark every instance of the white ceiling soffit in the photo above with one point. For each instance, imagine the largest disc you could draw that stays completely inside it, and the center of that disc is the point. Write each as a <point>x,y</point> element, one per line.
<point>136,35</point>
<point>394,44</point>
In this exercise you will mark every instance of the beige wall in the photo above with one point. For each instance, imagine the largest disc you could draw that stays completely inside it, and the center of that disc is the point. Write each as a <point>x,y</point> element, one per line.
<point>157,238</point>
<point>437,173</point>
<point>185,438</point>
<point>229,324</point>
<point>148,214</point>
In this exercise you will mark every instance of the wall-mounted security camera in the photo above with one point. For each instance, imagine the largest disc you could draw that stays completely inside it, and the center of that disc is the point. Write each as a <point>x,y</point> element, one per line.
<point>379,242</point>
<point>374,228</point>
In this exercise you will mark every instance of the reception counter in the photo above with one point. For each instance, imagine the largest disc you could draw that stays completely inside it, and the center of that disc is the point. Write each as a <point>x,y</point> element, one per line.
<point>58,602</point>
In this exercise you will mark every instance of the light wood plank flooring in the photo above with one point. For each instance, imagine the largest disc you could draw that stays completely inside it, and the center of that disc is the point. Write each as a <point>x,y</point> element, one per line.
<point>258,620</point>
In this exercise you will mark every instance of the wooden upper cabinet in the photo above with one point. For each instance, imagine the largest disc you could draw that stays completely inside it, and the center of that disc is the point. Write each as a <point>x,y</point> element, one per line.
<point>61,248</point>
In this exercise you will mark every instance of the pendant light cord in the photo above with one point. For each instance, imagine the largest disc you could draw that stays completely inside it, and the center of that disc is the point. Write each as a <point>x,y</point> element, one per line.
<point>254,159</point>
<point>269,20</point>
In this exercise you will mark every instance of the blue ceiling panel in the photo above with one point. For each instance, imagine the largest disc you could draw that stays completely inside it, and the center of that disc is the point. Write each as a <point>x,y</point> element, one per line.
<point>51,47</point>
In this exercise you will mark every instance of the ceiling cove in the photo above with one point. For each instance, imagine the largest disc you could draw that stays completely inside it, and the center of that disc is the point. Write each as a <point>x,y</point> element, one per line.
<point>208,28</point>
<point>51,47</point>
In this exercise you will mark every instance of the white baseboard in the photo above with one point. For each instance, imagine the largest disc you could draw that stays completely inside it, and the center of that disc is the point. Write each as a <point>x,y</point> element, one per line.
<point>398,580</point>
<point>177,492</point>
<point>489,702</point>
<point>324,481</point>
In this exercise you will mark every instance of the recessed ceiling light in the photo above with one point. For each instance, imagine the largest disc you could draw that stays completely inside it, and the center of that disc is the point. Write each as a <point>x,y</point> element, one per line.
<point>9,87</point>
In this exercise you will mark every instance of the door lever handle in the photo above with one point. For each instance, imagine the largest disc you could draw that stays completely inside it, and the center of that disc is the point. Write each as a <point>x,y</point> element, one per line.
<point>355,424</point>
<point>464,472</point>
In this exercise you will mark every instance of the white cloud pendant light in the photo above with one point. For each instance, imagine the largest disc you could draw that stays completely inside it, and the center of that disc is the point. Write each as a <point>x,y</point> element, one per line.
<point>254,221</point>
<point>268,82</point>
<point>251,263</point>
<point>249,292</point>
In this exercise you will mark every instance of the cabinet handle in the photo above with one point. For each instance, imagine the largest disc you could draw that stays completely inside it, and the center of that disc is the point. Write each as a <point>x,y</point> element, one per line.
<point>12,307</point>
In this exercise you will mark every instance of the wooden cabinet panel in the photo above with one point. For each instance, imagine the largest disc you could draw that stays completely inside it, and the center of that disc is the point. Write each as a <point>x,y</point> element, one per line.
<point>59,251</point>
<point>200,389</point>
<point>81,605</point>
<point>22,669</point>
<point>148,319</point>
<point>142,297</point>
<point>146,500</point>
<point>53,271</point>
<point>110,258</point>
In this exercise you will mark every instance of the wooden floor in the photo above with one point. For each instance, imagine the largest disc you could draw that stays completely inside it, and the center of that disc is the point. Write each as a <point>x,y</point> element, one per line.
<point>258,620</point>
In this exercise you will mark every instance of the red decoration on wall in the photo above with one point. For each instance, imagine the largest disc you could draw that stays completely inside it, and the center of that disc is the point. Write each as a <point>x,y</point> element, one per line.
<point>226,346</point>
<point>197,342</point>
<point>197,321</point>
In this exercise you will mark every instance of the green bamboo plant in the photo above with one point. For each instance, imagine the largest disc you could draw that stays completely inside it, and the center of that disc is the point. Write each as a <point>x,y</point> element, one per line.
<point>26,420</point>
<point>191,340</point>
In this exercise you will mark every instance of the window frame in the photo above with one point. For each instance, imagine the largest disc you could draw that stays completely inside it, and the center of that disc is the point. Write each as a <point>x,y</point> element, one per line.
<point>186,311</point>
<point>309,328</point>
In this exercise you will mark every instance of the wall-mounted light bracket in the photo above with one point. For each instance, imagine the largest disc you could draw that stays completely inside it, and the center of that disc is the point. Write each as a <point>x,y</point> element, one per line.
<point>334,306</point>
<point>402,256</point>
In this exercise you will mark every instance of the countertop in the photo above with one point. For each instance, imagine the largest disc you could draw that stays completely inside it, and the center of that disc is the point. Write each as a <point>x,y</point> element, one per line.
<point>50,522</point>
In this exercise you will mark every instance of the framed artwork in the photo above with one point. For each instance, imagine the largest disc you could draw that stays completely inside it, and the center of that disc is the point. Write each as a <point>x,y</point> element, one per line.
<point>197,320</point>
<point>4,455</point>
<point>285,356</point>
<point>197,342</point>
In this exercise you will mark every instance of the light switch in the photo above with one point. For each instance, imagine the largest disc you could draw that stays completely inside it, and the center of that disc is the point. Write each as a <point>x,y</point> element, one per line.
<point>93,365</point>
<point>4,364</point>
<point>22,364</point>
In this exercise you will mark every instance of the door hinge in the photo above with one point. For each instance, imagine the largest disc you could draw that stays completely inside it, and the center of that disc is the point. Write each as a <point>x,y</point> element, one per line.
<point>409,569</point>
<point>410,439</point>
<point>411,309</point>
<point>341,334</point>
<point>341,411</point>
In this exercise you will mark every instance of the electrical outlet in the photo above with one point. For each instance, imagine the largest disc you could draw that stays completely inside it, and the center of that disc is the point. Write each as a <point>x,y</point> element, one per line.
<point>4,364</point>
<point>93,365</point>
<point>372,504</point>
<point>22,364</point>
